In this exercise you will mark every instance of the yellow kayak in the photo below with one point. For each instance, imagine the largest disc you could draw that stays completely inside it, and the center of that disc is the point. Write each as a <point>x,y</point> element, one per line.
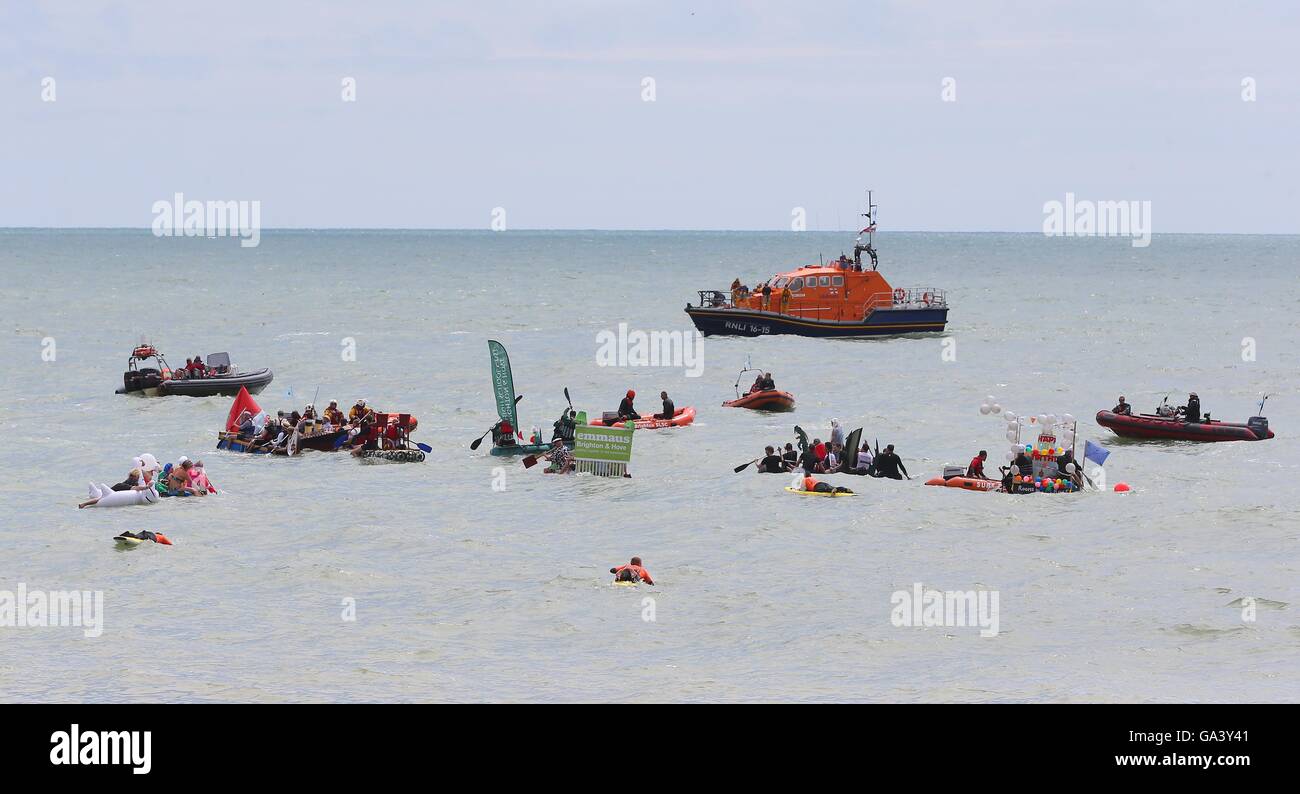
<point>626,584</point>
<point>817,493</point>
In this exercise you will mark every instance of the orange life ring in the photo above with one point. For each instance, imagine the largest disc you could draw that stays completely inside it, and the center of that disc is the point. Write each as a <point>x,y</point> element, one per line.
<point>926,298</point>
<point>899,295</point>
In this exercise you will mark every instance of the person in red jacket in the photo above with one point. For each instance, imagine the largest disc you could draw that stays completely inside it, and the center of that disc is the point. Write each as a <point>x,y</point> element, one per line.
<point>632,572</point>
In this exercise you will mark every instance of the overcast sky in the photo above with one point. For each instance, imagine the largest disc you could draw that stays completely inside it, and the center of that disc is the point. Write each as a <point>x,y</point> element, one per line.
<point>760,107</point>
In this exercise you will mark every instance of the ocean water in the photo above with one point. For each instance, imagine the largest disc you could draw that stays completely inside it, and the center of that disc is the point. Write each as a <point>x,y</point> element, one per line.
<point>475,579</point>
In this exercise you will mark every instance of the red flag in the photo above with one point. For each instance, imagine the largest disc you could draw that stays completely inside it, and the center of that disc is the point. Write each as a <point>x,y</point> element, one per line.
<point>243,402</point>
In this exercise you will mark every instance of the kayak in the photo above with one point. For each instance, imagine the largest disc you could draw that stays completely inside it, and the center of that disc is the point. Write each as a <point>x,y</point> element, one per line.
<point>819,493</point>
<point>764,401</point>
<point>522,449</point>
<point>626,584</point>
<point>966,483</point>
<point>1150,426</point>
<point>681,418</point>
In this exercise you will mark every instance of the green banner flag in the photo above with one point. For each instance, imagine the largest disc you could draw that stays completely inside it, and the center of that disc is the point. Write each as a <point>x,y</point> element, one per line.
<point>503,382</point>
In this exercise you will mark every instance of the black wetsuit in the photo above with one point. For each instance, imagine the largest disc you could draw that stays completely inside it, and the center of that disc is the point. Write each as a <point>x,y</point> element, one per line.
<point>626,411</point>
<point>670,410</point>
<point>888,464</point>
<point>565,427</point>
<point>772,464</point>
<point>791,457</point>
<point>1193,409</point>
<point>809,461</point>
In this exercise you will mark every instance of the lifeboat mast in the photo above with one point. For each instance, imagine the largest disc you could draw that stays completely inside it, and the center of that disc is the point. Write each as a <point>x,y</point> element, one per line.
<point>870,231</point>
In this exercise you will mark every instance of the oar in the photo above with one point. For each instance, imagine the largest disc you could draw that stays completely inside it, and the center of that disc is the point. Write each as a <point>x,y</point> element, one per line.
<point>744,466</point>
<point>479,440</point>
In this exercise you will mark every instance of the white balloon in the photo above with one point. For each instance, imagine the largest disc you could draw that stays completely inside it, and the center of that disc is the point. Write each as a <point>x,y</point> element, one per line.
<point>997,409</point>
<point>989,399</point>
<point>984,409</point>
<point>1010,456</point>
<point>1042,419</point>
<point>1010,416</point>
<point>1051,419</point>
<point>1011,435</point>
<point>1068,419</point>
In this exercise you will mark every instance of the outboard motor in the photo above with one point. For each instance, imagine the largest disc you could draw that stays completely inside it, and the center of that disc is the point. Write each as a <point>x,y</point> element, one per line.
<point>1259,426</point>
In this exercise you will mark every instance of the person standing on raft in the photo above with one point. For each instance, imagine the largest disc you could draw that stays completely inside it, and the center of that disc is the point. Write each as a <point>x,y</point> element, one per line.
<point>670,410</point>
<point>625,408</point>
<point>1192,411</point>
<point>632,572</point>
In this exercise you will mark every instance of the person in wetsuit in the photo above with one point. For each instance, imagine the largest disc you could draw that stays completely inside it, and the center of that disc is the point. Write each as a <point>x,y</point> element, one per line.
<point>790,457</point>
<point>670,410</point>
<point>1192,411</point>
<point>626,409</point>
<point>888,464</point>
<point>773,463</point>
<point>1122,408</point>
<point>632,572</point>
<point>976,467</point>
<point>809,460</point>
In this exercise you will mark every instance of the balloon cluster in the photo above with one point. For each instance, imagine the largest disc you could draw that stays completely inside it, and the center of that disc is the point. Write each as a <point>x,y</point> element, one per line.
<point>1059,428</point>
<point>990,406</point>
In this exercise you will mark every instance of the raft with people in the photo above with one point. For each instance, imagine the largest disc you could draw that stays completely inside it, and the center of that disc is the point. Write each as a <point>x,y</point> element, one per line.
<point>216,377</point>
<point>1184,423</point>
<point>762,395</point>
<point>251,430</point>
<point>681,418</point>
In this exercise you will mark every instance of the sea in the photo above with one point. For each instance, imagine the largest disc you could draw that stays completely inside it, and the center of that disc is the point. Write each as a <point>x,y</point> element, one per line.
<point>469,577</point>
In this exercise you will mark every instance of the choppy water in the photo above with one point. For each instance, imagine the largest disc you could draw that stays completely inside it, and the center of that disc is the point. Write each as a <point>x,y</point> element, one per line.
<point>464,592</point>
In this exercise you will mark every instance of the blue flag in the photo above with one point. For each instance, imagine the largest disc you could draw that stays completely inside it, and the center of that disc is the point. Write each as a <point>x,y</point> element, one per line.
<point>1096,453</point>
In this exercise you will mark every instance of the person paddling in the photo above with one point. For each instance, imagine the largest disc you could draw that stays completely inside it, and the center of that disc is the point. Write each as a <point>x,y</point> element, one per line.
<point>632,572</point>
<point>772,463</point>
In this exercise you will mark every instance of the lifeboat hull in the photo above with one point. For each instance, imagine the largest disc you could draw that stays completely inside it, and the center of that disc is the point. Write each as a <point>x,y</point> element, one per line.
<point>681,418</point>
<point>880,322</point>
<point>1160,427</point>
<point>764,401</point>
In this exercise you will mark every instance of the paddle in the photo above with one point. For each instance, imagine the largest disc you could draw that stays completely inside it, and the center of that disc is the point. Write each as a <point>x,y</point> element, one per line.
<point>566,398</point>
<point>479,440</point>
<point>744,466</point>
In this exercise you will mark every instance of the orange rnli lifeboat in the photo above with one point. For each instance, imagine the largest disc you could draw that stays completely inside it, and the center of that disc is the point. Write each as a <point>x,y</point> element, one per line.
<point>844,297</point>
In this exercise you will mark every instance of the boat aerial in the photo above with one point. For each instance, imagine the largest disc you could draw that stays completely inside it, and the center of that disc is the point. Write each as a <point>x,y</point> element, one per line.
<point>219,377</point>
<point>841,298</point>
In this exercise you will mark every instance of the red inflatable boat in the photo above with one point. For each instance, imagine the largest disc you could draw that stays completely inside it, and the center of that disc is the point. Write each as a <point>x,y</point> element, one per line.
<point>764,401</point>
<point>1150,426</point>
<point>681,418</point>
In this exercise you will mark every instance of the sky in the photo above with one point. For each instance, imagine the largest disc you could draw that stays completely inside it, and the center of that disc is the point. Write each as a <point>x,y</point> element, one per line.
<point>758,108</point>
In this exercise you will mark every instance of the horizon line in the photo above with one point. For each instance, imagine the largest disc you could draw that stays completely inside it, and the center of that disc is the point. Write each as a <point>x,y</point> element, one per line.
<point>149,230</point>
